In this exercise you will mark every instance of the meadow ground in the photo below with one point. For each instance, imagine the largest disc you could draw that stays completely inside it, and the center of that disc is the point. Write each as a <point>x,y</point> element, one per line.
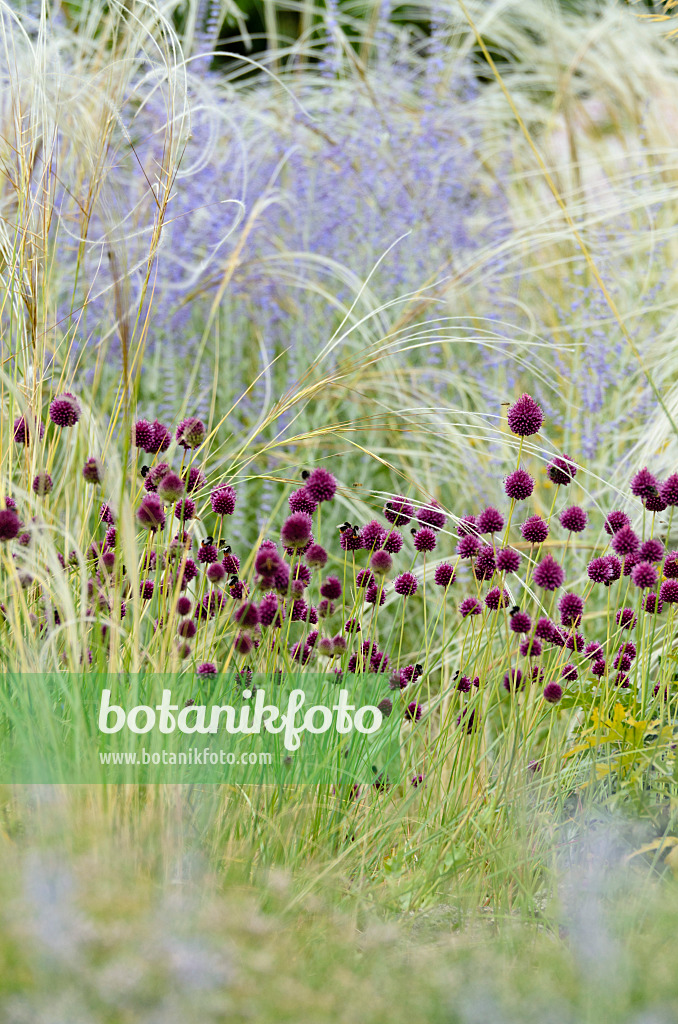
<point>343,353</point>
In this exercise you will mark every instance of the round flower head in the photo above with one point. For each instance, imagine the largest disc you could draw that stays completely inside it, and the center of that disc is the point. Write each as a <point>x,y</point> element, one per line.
<point>470,606</point>
<point>381,562</point>
<point>189,570</point>
<point>339,644</point>
<point>187,629</point>
<point>444,575</point>
<point>614,521</point>
<point>651,550</point>
<point>223,501</point>
<point>496,598</point>
<point>106,514</point>
<point>644,484</point>
<point>207,668</point>
<point>363,578</point>
<point>184,605</point>
<point>208,553</point>
<point>146,588</point>
<point>599,570</point>
<point>573,519</point>
<point>267,562</point>
<point>326,647</point>
<point>468,546</point>
<point>406,584</point>
<point>185,509</point>
<point>195,479</point>
<point>413,711</point>
<point>350,540</point>
<point>268,610</point>
<point>534,530</point>
<point>92,471</point>
<point>598,666</point>
<point>191,432</point>
<point>669,490</point>
<point>485,563</point>
<point>398,510</point>
<point>393,542</point>
<point>431,515</point>
<point>625,542</point>
<point>561,470</point>
<point>231,564</point>
<point>42,484</point>
<point>372,535</point>
<point>519,485</point>
<point>507,560</point>
<point>571,608</point>
<point>467,526</point>
<point>142,434</point>
<point>331,588</point>
<point>374,594</point>
<point>622,662</point>
<point>424,540</point>
<point>615,567</point>
<point>490,521</point>
<point>160,438</point>
<point>22,433</point>
<point>321,485</point>
<point>625,618</point>
<point>150,513</point>
<point>525,417</point>
<point>569,673</point>
<point>553,692</point>
<point>301,501</point>
<point>520,623</point>
<point>215,572</point>
<point>9,524</point>
<point>531,647</point>
<point>644,575</point>
<point>575,642</point>
<point>247,616</point>
<point>655,503</point>
<point>668,592</point>
<point>64,411</point>
<point>296,530</point>
<point>513,680</point>
<point>593,649</point>
<point>171,487</point>
<point>548,574</point>
<point>653,605</point>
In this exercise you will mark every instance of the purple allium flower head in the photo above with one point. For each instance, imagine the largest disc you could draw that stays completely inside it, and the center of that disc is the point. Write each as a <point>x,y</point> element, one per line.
<point>208,553</point>
<point>22,433</point>
<point>553,692</point>
<point>444,575</point>
<point>381,562</point>
<point>573,519</point>
<point>331,588</point>
<point>614,566</point>
<point>42,484</point>
<point>372,535</point>
<point>267,561</point>
<point>10,503</point>
<point>398,510</point>
<point>508,560</point>
<point>468,719</point>
<point>655,503</point>
<point>64,410</point>
<point>519,485</point>
<point>490,521</point>
<point>247,616</point>
<point>669,490</point>
<point>599,570</point>
<point>155,475</point>
<point>485,563</point>
<point>645,575</point>
<point>468,546</point>
<point>525,417</point>
<point>185,509</point>
<point>373,593</point>
<point>106,514</point>
<point>191,432</point>
<point>431,515</point>
<point>206,668</point>
<point>9,524</point>
<point>668,592</point>
<point>363,578</point>
<point>393,542</point>
<point>548,574</point>
<point>195,479</point>
<point>593,649</point>
<point>513,680</point>
<point>644,484</point>
<point>571,608</point>
<point>467,526</point>
<point>464,685</point>
<point>92,471</point>
<point>189,570</point>
<point>622,661</point>
<point>569,673</point>
<point>146,588</point>
<point>281,579</point>
<point>160,438</point>
<point>215,572</point>
<point>651,550</point>
<point>350,540</point>
<point>470,606</point>
<point>184,605</point>
<point>223,501</point>
<point>625,542</point>
<point>531,647</point>
<point>424,540</point>
<point>496,598</point>
<point>321,485</point>
<point>316,556</point>
<point>614,521</point>
<point>150,513</point>
<point>598,667</point>
<point>575,642</point>
<point>301,501</point>
<point>670,568</point>
<point>625,618</point>
<point>296,530</point>
<point>653,605</point>
<point>142,434</point>
<point>561,470</point>
<point>520,623</point>
<point>339,644</point>
<point>325,647</point>
<point>170,488</point>
<point>406,584</point>
<point>534,530</point>
<point>413,711</point>
<point>268,609</point>
<point>187,629</point>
